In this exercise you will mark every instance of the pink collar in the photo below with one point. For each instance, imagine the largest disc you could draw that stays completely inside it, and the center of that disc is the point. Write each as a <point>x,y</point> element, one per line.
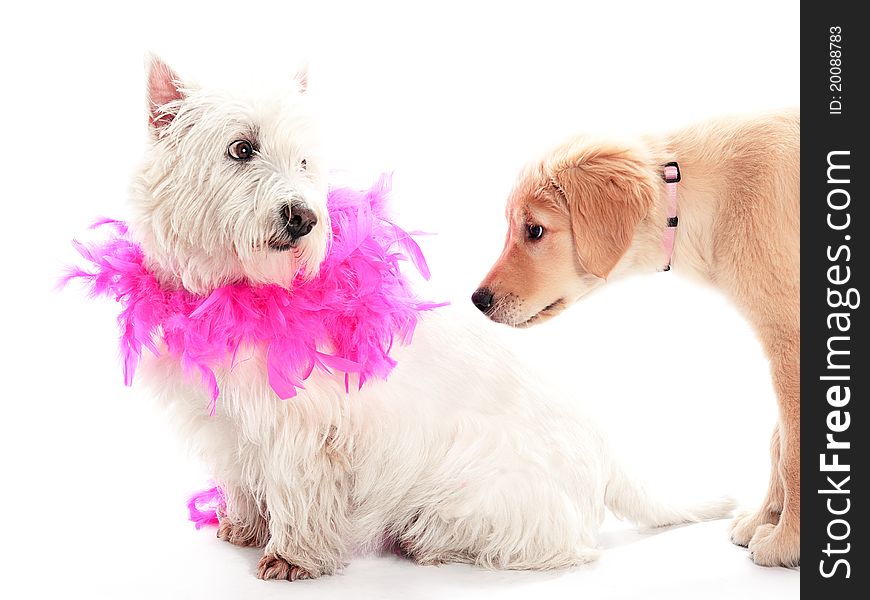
<point>671,175</point>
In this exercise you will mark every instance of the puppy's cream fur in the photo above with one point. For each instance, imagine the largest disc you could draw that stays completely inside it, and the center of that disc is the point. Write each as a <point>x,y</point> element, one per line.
<point>602,204</point>
<point>460,456</point>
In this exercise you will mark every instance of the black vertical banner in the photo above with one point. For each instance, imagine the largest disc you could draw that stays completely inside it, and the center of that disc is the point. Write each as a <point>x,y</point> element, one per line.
<point>835,368</point>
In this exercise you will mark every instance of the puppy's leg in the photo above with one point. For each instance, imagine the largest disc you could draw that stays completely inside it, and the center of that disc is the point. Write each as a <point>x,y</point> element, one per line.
<point>308,517</point>
<point>242,520</point>
<point>744,525</point>
<point>779,545</point>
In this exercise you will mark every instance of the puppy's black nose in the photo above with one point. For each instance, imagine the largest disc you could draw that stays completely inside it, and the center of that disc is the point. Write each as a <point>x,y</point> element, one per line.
<point>300,220</point>
<point>482,299</point>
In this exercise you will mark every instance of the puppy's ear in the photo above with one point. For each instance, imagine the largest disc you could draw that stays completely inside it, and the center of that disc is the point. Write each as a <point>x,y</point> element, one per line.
<point>164,92</point>
<point>301,78</point>
<point>607,196</point>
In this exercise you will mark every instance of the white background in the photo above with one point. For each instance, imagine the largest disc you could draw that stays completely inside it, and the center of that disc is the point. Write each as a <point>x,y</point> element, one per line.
<point>454,97</point>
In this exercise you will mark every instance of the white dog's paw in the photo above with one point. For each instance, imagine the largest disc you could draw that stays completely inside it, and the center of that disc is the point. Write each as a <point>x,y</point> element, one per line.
<point>745,524</point>
<point>272,566</point>
<point>774,546</point>
<point>255,535</point>
<point>430,560</point>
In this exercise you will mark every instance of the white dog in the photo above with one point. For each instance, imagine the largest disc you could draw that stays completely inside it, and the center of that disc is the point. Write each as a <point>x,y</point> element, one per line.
<point>461,455</point>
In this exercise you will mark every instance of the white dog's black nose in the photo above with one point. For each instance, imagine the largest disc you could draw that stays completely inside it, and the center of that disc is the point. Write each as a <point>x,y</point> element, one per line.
<point>300,220</point>
<point>482,299</point>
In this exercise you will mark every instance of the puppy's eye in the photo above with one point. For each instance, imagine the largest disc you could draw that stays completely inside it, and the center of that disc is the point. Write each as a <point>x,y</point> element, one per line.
<point>535,231</point>
<point>240,150</point>
<point>304,164</point>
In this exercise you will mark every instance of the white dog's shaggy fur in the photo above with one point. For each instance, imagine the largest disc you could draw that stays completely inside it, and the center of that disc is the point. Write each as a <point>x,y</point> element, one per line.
<point>460,456</point>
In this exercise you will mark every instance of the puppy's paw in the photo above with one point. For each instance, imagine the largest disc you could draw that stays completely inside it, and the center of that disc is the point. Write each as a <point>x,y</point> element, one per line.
<point>774,546</point>
<point>272,566</point>
<point>241,535</point>
<point>744,525</point>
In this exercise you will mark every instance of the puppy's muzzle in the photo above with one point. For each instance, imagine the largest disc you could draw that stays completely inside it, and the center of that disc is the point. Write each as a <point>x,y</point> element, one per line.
<point>298,219</point>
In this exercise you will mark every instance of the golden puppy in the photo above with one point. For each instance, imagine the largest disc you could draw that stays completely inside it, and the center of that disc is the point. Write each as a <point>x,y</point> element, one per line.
<point>593,210</point>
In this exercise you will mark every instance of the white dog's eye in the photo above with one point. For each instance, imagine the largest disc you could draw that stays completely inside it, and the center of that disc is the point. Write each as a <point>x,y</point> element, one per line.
<point>240,150</point>
<point>535,231</point>
<point>304,164</point>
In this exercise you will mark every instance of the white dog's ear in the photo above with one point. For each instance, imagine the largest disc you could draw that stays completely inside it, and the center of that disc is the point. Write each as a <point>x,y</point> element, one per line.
<point>301,78</point>
<point>164,90</point>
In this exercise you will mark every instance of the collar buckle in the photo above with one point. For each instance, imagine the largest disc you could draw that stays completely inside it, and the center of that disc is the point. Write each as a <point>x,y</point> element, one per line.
<point>671,172</point>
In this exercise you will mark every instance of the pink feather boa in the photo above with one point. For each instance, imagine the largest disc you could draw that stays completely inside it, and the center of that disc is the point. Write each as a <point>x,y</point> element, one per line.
<point>347,318</point>
<point>203,507</point>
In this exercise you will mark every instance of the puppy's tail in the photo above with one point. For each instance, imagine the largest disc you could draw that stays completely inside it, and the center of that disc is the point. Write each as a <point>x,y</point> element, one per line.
<point>626,498</point>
